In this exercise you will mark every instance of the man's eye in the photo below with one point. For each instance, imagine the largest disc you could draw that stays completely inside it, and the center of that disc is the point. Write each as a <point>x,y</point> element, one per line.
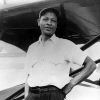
<point>45,19</point>
<point>54,21</point>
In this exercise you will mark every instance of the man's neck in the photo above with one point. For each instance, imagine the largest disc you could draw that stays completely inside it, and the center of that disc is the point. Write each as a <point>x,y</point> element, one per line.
<point>45,38</point>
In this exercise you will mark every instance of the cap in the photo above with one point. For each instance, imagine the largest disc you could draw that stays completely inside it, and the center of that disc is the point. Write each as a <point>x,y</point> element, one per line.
<point>53,10</point>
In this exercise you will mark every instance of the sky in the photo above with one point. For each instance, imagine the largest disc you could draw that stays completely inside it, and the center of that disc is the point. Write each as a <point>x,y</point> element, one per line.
<point>11,3</point>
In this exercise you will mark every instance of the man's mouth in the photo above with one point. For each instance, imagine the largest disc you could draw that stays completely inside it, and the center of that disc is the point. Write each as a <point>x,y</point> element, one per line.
<point>48,28</point>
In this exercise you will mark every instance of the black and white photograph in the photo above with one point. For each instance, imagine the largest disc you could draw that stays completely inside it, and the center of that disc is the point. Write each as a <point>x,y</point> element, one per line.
<point>49,50</point>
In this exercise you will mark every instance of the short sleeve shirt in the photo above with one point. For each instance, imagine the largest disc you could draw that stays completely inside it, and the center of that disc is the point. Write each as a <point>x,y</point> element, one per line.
<point>50,63</point>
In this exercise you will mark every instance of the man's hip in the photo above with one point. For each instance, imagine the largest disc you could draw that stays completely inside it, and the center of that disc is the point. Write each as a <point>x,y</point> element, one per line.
<point>49,92</point>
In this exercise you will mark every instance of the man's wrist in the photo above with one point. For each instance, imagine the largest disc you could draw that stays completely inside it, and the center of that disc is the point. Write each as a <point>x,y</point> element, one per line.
<point>67,88</point>
<point>72,83</point>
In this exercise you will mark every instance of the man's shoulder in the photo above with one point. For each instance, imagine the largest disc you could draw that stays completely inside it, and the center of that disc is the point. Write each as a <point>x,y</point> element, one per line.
<point>66,41</point>
<point>33,45</point>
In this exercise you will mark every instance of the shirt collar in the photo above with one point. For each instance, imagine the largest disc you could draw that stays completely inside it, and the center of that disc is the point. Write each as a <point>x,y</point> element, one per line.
<point>53,39</point>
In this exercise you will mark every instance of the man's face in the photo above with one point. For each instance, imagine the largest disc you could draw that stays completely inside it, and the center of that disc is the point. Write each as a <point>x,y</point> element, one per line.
<point>48,23</point>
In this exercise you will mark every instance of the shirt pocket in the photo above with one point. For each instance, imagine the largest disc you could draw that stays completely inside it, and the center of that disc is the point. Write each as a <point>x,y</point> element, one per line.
<point>61,65</point>
<point>58,60</point>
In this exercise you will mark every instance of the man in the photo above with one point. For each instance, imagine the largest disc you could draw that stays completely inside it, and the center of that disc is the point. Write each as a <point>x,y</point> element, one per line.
<point>49,61</point>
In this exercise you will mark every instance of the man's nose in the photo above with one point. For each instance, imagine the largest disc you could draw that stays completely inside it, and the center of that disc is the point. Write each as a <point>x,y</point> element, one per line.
<point>49,22</point>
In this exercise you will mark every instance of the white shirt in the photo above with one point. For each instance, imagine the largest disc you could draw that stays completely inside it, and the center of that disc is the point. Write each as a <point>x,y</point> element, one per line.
<point>50,64</point>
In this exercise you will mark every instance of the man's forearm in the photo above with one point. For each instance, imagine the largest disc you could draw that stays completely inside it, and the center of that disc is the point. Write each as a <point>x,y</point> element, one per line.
<point>89,67</point>
<point>26,89</point>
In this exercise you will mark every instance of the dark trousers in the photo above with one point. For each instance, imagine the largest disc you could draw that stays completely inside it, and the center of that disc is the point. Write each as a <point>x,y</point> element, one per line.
<point>45,93</point>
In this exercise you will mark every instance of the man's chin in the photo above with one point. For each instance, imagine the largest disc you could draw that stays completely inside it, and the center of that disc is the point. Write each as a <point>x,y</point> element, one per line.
<point>49,34</point>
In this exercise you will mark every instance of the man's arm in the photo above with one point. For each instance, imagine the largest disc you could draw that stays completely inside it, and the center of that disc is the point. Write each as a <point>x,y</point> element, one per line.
<point>89,67</point>
<point>26,89</point>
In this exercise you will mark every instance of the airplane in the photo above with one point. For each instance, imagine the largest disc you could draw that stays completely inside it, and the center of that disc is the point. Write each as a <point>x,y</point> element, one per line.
<point>18,29</point>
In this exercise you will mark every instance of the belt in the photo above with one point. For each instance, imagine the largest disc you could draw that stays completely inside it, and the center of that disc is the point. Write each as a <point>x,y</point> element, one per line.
<point>43,89</point>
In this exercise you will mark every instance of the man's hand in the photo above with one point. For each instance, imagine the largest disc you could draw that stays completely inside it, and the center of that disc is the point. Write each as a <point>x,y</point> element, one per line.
<point>67,88</point>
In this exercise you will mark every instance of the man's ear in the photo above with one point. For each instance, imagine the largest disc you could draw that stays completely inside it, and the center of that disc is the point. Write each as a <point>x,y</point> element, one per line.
<point>38,21</point>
